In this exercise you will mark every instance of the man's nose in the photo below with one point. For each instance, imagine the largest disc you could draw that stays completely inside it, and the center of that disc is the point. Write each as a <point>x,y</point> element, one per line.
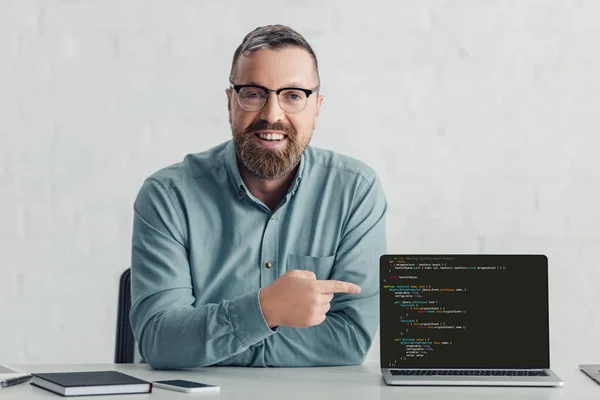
<point>271,112</point>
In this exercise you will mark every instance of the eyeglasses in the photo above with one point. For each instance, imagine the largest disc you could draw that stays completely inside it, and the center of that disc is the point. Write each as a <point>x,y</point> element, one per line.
<point>291,100</point>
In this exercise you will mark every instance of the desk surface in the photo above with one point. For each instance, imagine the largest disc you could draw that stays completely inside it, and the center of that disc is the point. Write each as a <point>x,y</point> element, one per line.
<point>357,382</point>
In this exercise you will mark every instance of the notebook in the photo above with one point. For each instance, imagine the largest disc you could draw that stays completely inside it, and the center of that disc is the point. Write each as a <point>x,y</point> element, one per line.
<point>90,383</point>
<point>465,320</point>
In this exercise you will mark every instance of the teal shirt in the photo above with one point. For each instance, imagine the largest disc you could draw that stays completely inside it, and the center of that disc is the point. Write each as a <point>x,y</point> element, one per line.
<point>201,250</point>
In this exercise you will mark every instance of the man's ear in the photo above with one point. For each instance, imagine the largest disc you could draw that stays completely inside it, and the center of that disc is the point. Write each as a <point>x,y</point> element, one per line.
<point>228,92</point>
<point>319,103</point>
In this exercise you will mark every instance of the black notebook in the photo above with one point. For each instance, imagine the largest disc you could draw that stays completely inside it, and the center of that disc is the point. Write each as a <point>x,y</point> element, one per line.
<point>90,383</point>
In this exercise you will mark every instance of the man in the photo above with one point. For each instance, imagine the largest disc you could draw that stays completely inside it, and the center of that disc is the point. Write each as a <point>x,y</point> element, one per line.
<point>262,251</point>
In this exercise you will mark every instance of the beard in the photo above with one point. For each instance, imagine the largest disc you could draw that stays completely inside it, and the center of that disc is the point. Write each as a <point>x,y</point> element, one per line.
<point>267,163</point>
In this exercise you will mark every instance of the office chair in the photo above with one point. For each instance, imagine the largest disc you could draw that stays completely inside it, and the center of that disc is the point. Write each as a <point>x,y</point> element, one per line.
<point>126,348</point>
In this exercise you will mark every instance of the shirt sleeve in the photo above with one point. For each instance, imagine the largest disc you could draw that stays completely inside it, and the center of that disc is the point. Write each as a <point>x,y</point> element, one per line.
<point>170,330</point>
<point>346,335</point>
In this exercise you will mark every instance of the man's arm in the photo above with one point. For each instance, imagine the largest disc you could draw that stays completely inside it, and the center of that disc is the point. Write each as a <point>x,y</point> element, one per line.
<point>170,331</point>
<point>345,336</point>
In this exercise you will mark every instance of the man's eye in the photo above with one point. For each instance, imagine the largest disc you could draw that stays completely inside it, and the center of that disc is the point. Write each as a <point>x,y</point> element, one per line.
<point>294,96</point>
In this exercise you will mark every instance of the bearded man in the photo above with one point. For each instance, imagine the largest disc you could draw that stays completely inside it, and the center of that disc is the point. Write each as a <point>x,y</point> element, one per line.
<point>262,251</point>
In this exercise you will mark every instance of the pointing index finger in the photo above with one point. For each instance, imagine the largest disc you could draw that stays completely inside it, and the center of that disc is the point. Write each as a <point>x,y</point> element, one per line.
<point>335,286</point>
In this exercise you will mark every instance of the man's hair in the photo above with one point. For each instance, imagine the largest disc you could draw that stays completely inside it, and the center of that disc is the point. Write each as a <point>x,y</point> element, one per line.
<point>272,37</point>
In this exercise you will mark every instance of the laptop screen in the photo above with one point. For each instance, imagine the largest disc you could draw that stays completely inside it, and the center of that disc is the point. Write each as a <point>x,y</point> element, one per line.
<point>464,311</point>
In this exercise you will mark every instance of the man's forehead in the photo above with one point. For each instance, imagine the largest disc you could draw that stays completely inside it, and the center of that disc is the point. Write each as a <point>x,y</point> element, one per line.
<point>288,67</point>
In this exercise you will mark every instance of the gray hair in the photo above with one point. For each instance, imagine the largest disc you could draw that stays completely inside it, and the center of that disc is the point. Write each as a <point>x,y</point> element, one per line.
<point>271,37</point>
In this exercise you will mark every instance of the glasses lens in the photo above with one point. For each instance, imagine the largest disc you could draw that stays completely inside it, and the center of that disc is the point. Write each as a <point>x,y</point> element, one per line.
<point>251,98</point>
<point>292,101</point>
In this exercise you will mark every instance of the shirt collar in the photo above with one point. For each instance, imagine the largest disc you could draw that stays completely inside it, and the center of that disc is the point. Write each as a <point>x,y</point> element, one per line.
<point>237,183</point>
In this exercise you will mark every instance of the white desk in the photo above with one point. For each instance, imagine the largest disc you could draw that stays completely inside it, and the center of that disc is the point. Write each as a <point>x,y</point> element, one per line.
<point>358,382</point>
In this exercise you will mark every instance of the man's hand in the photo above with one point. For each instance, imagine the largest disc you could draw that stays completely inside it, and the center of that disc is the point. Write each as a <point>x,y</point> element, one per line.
<point>298,300</point>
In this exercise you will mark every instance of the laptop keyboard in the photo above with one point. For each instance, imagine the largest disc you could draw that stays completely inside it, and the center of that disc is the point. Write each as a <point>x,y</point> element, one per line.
<point>469,372</point>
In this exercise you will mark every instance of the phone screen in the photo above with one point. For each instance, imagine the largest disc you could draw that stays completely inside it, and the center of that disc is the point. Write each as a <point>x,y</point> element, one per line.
<point>184,384</point>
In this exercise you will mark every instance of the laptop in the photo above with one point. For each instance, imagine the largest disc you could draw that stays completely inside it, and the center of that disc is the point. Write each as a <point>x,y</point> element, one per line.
<point>478,320</point>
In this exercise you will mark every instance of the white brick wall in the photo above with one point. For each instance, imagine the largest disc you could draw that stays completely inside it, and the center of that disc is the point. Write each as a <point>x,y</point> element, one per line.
<point>480,117</point>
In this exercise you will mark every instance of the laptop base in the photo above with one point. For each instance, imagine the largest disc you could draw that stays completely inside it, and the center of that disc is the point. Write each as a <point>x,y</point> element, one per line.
<point>550,380</point>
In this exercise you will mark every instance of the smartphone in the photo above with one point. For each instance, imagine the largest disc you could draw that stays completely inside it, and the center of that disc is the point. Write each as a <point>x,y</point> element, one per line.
<point>182,385</point>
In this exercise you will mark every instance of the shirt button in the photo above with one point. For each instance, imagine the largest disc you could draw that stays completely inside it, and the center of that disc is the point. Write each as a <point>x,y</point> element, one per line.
<point>272,218</point>
<point>268,265</point>
<point>241,193</point>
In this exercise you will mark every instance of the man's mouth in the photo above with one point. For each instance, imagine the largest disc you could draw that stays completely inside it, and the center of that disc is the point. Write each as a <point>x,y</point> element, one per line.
<point>270,137</point>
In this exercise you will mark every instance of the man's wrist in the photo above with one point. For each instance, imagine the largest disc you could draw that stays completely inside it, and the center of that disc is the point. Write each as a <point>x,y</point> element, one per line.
<point>266,309</point>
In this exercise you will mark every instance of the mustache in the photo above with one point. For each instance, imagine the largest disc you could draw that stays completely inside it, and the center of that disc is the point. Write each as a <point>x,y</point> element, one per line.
<point>262,125</point>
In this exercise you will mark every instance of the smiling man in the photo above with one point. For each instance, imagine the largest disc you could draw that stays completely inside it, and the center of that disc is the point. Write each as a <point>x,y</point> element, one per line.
<point>262,251</point>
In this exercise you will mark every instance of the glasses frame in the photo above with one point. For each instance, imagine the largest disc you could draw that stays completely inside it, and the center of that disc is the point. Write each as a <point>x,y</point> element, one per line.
<point>277,92</point>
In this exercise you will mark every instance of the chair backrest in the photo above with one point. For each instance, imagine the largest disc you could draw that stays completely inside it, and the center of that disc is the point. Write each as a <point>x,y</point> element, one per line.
<point>126,349</point>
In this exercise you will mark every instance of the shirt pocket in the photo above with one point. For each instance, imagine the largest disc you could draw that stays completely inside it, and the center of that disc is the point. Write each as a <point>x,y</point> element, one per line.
<point>321,266</point>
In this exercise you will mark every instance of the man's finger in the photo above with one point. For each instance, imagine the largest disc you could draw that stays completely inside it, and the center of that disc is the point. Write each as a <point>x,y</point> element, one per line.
<point>323,308</point>
<point>302,273</point>
<point>333,286</point>
<point>325,298</point>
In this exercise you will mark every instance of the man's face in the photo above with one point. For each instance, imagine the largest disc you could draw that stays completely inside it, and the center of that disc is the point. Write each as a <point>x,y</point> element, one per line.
<point>257,134</point>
